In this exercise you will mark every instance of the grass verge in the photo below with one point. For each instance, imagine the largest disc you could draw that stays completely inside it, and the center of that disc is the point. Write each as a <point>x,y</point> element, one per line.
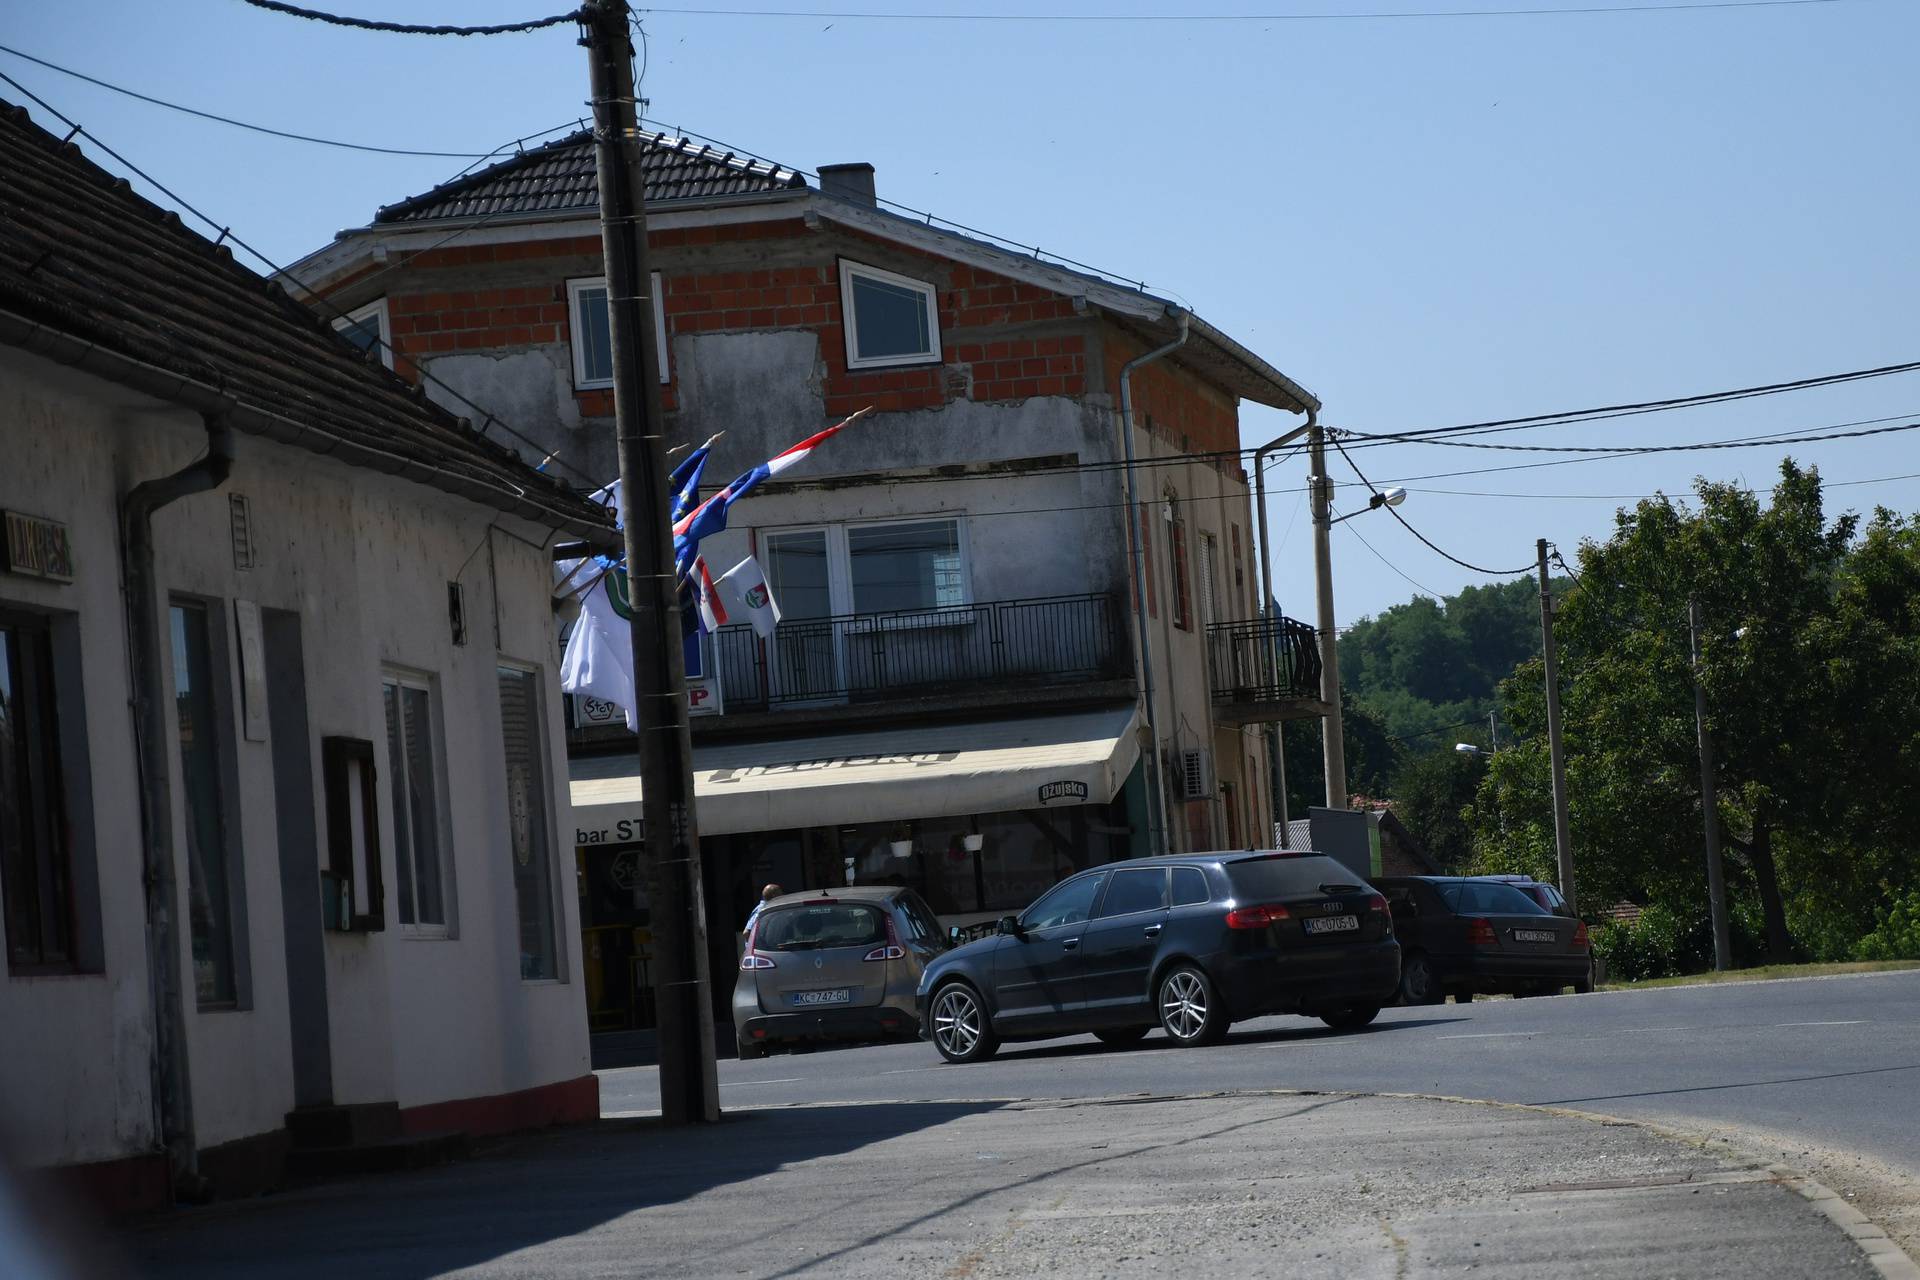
<point>1765,973</point>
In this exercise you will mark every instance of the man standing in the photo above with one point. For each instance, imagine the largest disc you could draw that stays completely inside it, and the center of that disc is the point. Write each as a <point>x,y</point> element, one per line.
<point>767,895</point>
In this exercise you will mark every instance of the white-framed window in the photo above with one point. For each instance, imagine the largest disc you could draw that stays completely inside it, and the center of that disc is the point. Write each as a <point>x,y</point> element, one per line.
<point>416,795</point>
<point>367,328</point>
<point>889,319</point>
<point>888,566</point>
<point>592,330</point>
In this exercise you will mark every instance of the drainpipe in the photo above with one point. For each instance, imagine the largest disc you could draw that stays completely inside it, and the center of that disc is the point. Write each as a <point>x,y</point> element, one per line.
<point>172,1080</point>
<point>1156,795</point>
<point>1277,782</point>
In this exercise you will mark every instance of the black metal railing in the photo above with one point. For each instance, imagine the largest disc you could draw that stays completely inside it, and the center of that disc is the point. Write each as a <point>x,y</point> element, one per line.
<point>868,657</point>
<point>1264,660</point>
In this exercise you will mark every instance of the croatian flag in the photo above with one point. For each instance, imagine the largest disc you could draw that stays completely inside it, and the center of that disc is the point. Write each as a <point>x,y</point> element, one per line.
<point>711,516</point>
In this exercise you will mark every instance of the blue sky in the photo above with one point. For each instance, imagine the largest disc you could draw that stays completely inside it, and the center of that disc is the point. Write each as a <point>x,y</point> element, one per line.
<point>1425,221</point>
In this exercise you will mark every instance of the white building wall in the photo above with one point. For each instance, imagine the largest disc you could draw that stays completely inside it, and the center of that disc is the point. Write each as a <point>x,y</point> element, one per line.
<point>365,561</point>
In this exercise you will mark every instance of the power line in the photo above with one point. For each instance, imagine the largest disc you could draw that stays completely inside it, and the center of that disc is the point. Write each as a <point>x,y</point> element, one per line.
<point>242,124</point>
<point>1777,438</point>
<point>416,29</point>
<point>1684,6</point>
<point>1388,508</point>
<point>1391,565</point>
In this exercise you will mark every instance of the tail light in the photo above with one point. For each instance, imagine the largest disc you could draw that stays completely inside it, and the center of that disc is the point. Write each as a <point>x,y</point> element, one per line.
<point>893,950</point>
<point>1379,904</point>
<point>754,960</point>
<point>1480,933</point>
<point>1257,917</point>
<point>1580,935</point>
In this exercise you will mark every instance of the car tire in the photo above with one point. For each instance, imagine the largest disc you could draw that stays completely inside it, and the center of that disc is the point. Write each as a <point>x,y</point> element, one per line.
<point>1584,987</point>
<point>1417,982</point>
<point>1120,1037</point>
<point>958,1025</point>
<point>1191,1012</point>
<point>751,1049</point>
<point>1351,1019</point>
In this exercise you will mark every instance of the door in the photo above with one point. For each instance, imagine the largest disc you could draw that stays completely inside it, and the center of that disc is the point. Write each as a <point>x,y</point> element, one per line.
<point>297,827</point>
<point>1121,942</point>
<point>1037,974</point>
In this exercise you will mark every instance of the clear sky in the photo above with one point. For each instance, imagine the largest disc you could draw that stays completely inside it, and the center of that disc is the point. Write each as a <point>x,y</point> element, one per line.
<point>1425,221</point>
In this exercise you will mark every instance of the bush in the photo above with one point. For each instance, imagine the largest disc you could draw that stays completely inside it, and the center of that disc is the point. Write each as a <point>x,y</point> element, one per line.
<point>1667,943</point>
<point>1897,936</point>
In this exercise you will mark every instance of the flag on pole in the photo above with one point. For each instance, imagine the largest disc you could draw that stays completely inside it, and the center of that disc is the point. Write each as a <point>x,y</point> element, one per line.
<point>713,610</point>
<point>710,517</point>
<point>746,583</point>
<point>598,662</point>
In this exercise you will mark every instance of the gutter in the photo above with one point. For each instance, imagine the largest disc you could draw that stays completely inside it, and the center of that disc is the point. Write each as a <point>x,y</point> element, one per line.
<point>171,1070</point>
<point>1156,793</point>
<point>500,495</point>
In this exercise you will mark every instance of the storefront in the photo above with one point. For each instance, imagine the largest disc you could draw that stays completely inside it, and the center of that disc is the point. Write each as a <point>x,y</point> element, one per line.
<point>979,818</point>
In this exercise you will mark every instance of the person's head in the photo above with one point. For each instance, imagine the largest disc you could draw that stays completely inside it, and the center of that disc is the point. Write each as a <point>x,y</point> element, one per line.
<point>771,892</point>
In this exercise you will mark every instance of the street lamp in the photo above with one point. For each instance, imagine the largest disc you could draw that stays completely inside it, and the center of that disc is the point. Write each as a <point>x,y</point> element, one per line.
<point>1390,498</point>
<point>1468,749</point>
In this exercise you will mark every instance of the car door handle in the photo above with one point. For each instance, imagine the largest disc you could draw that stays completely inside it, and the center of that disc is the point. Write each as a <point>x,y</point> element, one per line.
<point>1070,944</point>
<point>1153,930</point>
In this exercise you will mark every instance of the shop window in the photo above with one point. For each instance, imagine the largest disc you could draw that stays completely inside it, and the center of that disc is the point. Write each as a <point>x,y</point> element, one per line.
<point>890,319</point>
<point>592,332</point>
<point>530,835</point>
<point>416,793</point>
<point>51,917</point>
<point>203,708</point>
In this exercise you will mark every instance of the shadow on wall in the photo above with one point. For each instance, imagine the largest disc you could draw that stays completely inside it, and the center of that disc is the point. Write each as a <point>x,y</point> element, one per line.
<point>531,1192</point>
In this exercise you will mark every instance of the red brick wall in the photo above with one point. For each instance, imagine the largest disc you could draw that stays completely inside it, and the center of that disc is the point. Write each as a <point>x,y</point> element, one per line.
<point>1184,413</point>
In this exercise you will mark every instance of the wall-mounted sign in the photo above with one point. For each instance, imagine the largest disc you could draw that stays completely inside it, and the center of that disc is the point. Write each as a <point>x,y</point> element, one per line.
<point>37,548</point>
<point>1063,793</point>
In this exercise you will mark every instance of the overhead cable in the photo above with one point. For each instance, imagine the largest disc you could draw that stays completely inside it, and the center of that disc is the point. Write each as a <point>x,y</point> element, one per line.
<point>1683,6</point>
<point>418,29</point>
<point>1431,546</point>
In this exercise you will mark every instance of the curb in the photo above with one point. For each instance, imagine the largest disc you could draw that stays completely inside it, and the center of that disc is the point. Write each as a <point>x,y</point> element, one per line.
<point>1886,1256</point>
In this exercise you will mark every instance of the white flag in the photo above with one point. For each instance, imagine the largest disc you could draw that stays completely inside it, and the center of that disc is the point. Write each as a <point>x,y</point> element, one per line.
<point>598,662</point>
<point>746,583</point>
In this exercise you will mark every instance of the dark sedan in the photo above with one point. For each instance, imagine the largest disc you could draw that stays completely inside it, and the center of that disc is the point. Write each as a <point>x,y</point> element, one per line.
<point>1464,936</point>
<point>1190,944</point>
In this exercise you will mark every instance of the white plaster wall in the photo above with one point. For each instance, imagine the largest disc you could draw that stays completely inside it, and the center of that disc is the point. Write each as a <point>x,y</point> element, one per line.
<point>365,561</point>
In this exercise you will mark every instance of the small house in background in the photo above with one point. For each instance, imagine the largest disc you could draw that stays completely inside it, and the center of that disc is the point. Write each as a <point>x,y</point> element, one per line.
<point>283,867</point>
<point>957,696</point>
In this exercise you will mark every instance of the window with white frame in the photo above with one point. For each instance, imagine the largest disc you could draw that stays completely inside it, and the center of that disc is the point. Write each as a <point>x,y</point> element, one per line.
<point>415,793</point>
<point>889,319</point>
<point>882,567</point>
<point>592,330</point>
<point>367,328</point>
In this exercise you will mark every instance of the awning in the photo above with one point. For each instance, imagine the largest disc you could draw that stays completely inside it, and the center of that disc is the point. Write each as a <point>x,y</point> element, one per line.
<point>881,775</point>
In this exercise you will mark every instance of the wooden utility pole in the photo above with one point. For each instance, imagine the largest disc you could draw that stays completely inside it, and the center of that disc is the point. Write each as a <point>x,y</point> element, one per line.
<point>689,1091</point>
<point>1562,828</point>
<point>1709,803</point>
<point>1333,743</point>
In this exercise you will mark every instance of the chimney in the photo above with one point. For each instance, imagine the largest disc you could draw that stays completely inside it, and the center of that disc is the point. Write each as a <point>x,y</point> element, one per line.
<point>850,182</point>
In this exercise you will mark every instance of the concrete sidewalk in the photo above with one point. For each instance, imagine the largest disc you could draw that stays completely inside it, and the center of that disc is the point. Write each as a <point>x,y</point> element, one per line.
<point>1230,1185</point>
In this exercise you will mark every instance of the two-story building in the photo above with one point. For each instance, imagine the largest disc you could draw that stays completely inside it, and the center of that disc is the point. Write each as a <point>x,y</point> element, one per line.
<point>957,694</point>
<point>282,759</point>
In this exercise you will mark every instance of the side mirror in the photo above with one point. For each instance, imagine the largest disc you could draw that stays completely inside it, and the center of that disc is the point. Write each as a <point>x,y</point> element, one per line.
<point>1010,925</point>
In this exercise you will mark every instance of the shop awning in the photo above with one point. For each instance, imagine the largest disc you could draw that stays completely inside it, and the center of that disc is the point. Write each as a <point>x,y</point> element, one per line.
<point>880,775</point>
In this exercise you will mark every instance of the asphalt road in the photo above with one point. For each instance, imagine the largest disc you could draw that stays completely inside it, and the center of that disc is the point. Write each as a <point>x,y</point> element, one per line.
<point>1833,1063</point>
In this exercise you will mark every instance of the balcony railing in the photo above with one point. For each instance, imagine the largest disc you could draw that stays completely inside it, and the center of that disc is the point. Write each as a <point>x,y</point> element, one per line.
<point>870,657</point>
<point>1259,667</point>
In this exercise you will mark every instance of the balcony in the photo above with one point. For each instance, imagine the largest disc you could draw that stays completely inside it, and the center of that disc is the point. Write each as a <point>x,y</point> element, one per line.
<point>1264,670</point>
<point>973,651</point>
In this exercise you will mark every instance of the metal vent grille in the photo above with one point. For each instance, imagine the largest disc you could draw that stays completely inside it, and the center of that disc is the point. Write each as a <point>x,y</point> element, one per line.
<point>1196,781</point>
<point>240,524</point>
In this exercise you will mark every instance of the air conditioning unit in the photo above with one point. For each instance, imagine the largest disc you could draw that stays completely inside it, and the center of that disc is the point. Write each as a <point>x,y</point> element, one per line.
<point>1196,774</point>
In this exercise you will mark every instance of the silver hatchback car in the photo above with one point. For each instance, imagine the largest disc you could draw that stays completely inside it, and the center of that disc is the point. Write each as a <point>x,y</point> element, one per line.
<point>837,964</point>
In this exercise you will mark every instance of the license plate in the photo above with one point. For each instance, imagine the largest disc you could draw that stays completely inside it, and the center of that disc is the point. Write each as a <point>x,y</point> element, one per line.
<point>1333,924</point>
<point>1535,935</point>
<point>839,995</point>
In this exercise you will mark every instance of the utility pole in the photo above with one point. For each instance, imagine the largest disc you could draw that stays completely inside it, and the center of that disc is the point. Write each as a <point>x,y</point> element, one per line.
<point>689,1091</point>
<point>1562,830</point>
<point>1333,740</point>
<point>1709,803</point>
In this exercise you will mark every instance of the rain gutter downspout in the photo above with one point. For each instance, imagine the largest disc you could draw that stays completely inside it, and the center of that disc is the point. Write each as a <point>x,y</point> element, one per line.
<point>1276,753</point>
<point>1156,795</point>
<point>172,1077</point>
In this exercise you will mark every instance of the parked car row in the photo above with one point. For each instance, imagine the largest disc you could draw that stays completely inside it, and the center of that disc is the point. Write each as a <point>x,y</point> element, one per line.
<point>1190,944</point>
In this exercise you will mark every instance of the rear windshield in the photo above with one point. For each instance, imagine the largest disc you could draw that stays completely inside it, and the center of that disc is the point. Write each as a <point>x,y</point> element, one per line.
<point>812,926</point>
<point>1272,879</point>
<point>1468,897</point>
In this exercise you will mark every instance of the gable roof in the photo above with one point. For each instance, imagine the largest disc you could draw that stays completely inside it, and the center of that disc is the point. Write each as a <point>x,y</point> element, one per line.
<point>91,274</point>
<point>560,177</point>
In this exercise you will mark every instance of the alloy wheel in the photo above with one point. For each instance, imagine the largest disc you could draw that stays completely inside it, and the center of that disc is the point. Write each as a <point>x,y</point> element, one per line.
<point>1183,1004</point>
<point>956,1021</point>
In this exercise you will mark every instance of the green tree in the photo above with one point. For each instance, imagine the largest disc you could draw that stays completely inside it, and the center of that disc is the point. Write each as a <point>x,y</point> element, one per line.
<point>1432,792</point>
<point>1371,756</point>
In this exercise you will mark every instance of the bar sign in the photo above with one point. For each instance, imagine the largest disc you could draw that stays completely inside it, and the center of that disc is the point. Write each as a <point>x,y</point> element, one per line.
<point>38,548</point>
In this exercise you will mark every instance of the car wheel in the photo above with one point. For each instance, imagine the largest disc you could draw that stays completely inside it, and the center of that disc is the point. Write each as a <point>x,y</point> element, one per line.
<point>1351,1019</point>
<point>1190,1009</point>
<point>1584,987</point>
<point>1417,985</point>
<point>957,1024</point>
<point>1121,1036</point>
<point>751,1049</point>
